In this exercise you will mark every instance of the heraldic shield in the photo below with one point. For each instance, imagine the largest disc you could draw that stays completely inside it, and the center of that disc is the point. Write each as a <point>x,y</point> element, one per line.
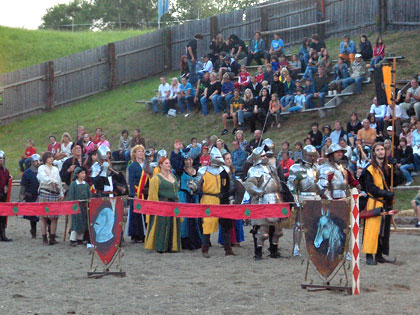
<point>326,233</point>
<point>105,226</point>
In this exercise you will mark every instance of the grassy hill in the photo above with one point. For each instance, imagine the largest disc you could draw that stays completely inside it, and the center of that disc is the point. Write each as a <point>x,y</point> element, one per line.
<point>116,110</point>
<point>21,48</point>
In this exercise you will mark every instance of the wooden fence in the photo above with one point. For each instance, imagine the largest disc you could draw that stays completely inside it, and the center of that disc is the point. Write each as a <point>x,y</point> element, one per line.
<point>71,78</point>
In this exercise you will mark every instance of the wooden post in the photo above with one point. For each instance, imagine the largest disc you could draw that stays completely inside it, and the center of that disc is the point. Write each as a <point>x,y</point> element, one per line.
<point>167,44</point>
<point>49,74</point>
<point>112,62</point>
<point>382,15</point>
<point>264,25</point>
<point>214,27</point>
<point>320,16</point>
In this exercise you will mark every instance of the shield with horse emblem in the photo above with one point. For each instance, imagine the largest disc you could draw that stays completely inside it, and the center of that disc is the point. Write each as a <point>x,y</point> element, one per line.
<point>105,226</point>
<point>326,233</point>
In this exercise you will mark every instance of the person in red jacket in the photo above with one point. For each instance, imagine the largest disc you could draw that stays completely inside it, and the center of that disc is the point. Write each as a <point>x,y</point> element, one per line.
<point>25,161</point>
<point>378,52</point>
<point>286,163</point>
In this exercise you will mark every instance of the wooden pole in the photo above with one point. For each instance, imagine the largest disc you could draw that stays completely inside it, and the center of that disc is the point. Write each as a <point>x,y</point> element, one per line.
<point>393,86</point>
<point>112,62</point>
<point>50,85</point>
<point>355,243</point>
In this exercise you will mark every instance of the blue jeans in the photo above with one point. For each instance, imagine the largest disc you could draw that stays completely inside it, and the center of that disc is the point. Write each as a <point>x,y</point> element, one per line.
<point>359,83</point>
<point>376,60</point>
<point>309,72</point>
<point>308,101</point>
<point>228,99</point>
<point>127,155</point>
<point>217,103</point>
<point>242,116</point>
<point>417,162</point>
<point>285,100</point>
<point>405,169</point>
<point>296,108</point>
<point>193,72</point>
<point>189,100</point>
<point>310,97</point>
<point>155,102</point>
<point>26,162</point>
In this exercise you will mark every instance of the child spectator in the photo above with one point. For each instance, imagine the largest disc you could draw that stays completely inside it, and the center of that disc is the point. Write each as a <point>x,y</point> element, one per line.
<point>275,110</point>
<point>295,67</point>
<point>283,62</point>
<point>353,127</point>
<point>283,74</point>
<point>378,51</point>
<point>276,47</point>
<point>268,73</point>
<point>54,146</point>
<point>309,90</point>
<point>123,146</point>
<point>88,145</point>
<point>227,89</point>
<point>298,102</point>
<point>324,61</point>
<point>277,86</point>
<point>365,48</point>
<point>243,78</point>
<point>97,136</point>
<point>265,85</point>
<point>286,163</point>
<point>416,207</point>
<point>205,156</point>
<point>285,147</point>
<point>25,161</point>
<point>260,74</point>
<point>275,65</point>
<point>407,133</point>
<point>289,91</point>
<point>236,105</point>
<point>103,141</point>
<point>298,153</point>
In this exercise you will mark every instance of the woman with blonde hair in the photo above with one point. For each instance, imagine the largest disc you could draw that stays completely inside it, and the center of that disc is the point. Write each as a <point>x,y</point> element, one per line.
<point>239,136</point>
<point>138,181</point>
<point>164,233</point>
<point>65,150</point>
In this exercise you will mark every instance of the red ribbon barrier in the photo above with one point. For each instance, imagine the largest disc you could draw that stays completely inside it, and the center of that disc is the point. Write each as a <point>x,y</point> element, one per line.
<point>39,208</point>
<point>194,210</point>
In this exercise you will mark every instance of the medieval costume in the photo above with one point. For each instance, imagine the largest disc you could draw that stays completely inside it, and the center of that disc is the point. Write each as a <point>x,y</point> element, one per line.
<point>163,233</point>
<point>4,187</point>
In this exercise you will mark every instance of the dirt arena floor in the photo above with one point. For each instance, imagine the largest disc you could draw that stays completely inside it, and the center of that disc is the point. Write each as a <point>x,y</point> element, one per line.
<point>37,279</point>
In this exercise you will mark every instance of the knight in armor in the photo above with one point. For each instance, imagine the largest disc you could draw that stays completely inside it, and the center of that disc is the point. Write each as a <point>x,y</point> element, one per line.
<point>4,187</point>
<point>264,187</point>
<point>334,178</point>
<point>29,189</point>
<point>302,184</point>
<point>214,183</point>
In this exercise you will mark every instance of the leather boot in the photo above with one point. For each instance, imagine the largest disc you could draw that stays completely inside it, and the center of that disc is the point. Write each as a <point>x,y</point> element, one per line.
<point>228,251</point>
<point>52,239</point>
<point>258,253</point>
<point>274,253</point>
<point>33,229</point>
<point>382,260</point>
<point>3,237</point>
<point>45,239</point>
<point>205,251</point>
<point>370,261</point>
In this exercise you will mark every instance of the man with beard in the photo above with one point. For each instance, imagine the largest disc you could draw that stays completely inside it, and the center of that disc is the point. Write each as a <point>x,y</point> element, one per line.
<point>380,201</point>
<point>29,189</point>
<point>71,163</point>
<point>4,187</point>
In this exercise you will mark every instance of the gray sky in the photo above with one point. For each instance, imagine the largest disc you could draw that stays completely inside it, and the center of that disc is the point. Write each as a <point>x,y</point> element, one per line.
<point>25,13</point>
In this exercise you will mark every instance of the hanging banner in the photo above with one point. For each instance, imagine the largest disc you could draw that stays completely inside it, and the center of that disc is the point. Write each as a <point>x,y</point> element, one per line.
<point>105,226</point>
<point>193,210</point>
<point>39,208</point>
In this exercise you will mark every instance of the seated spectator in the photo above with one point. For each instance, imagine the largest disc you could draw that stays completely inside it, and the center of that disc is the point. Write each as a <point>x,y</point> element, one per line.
<point>97,136</point>
<point>388,136</point>
<point>348,150</point>
<point>405,160</point>
<point>315,136</point>
<point>207,66</point>
<point>221,146</point>
<point>283,74</point>
<point>227,89</point>
<point>236,47</point>
<point>325,147</point>
<point>256,142</point>
<point>372,123</point>
<point>205,156</point>
<point>123,147</point>
<point>202,84</point>
<point>286,163</point>
<point>194,151</point>
<point>277,86</point>
<point>341,72</point>
<point>297,155</point>
<point>265,85</point>
<point>261,108</point>
<point>239,136</point>
<point>289,91</point>
<point>380,112</point>
<point>54,146</point>
<point>338,133</point>
<point>161,97</point>
<point>378,51</point>
<point>246,113</point>
<point>283,62</point>
<point>186,95</point>
<point>316,43</point>
<point>269,73</point>
<point>254,86</point>
<point>358,73</point>
<point>275,64</point>
<point>326,130</point>
<point>276,47</point>
<point>347,49</point>
<point>236,104</point>
<point>324,61</point>
<point>137,139</point>
<point>243,79</point>
<point>295,67</point>
<point>103,141</point>
<point>308,91</point>
<point>239,157</point>
<point>353,127</point>
<point>275,110</point>
<point>365,48</point>
<point>400,115</point>
<point>25,161</point>
<point>312,66</point>
<point>299,102</point>
<point>65,150</point>
<point>285,147</point>
<point>217,46</point>
<point>360,156</point>
<point>256,49</point>
<point>416,207</point>
<point>303,53</point>
<point>212,93</point>
<point>173,97</point>
<point>412,98</point>
<point>321,82</point>
<point>416,146</point>
<point>406,133</point>
<point>185,71</point>
<point>260,75</point>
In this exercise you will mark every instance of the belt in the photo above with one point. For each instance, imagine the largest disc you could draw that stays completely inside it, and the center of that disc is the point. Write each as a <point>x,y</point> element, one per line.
<point>49,191</point>
<point>213,195</point>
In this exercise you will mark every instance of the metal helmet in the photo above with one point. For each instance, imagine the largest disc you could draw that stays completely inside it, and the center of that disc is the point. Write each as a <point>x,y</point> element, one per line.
<point>268,145</point>
<point>3,158</point>
<point>257,155</point>
<point>335,147</point>
<point>162,153</point>
<point>216,158</point>
<point>35,158</point>
<point>308,153</point>
<point>102,152</point>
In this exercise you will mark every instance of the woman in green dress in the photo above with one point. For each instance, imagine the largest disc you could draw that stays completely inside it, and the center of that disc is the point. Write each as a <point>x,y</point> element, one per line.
<point>163,233</point>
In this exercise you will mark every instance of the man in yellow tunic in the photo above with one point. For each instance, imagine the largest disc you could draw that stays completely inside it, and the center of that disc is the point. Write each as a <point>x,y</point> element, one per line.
<point>213,180</point>
<point>377,179</point>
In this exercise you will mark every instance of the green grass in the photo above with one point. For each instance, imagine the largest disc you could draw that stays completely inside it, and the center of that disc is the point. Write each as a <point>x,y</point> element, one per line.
<point>21,48</point>
<point>116,110</point>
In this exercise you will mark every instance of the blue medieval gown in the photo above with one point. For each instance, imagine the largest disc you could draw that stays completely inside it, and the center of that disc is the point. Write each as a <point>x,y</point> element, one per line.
<point>138,182</point>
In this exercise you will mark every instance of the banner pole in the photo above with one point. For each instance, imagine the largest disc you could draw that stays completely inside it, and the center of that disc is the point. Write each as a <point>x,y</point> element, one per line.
<point>355,248</point>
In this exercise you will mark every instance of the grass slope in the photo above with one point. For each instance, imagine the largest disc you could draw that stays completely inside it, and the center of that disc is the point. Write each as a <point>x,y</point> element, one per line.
<point>116,110</point>
<point>22,48</point>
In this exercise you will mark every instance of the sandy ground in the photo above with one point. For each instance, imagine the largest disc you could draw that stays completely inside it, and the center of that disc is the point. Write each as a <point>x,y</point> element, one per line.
<point>39,279</point>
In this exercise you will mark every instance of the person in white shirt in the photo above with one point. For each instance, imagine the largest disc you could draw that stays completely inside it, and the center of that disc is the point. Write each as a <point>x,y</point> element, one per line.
<point>380,112</point>
<point>207,66</point>
<point>162,95</point>
<point>412,99</point>
<point>400,115</point>
<point>65,150</point>
<point>174,94</point>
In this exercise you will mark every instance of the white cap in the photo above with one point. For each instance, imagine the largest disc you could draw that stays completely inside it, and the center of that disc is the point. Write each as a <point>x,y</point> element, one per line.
<point>358,56</point>
<point>36,157</point>
<point>389,128</point>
